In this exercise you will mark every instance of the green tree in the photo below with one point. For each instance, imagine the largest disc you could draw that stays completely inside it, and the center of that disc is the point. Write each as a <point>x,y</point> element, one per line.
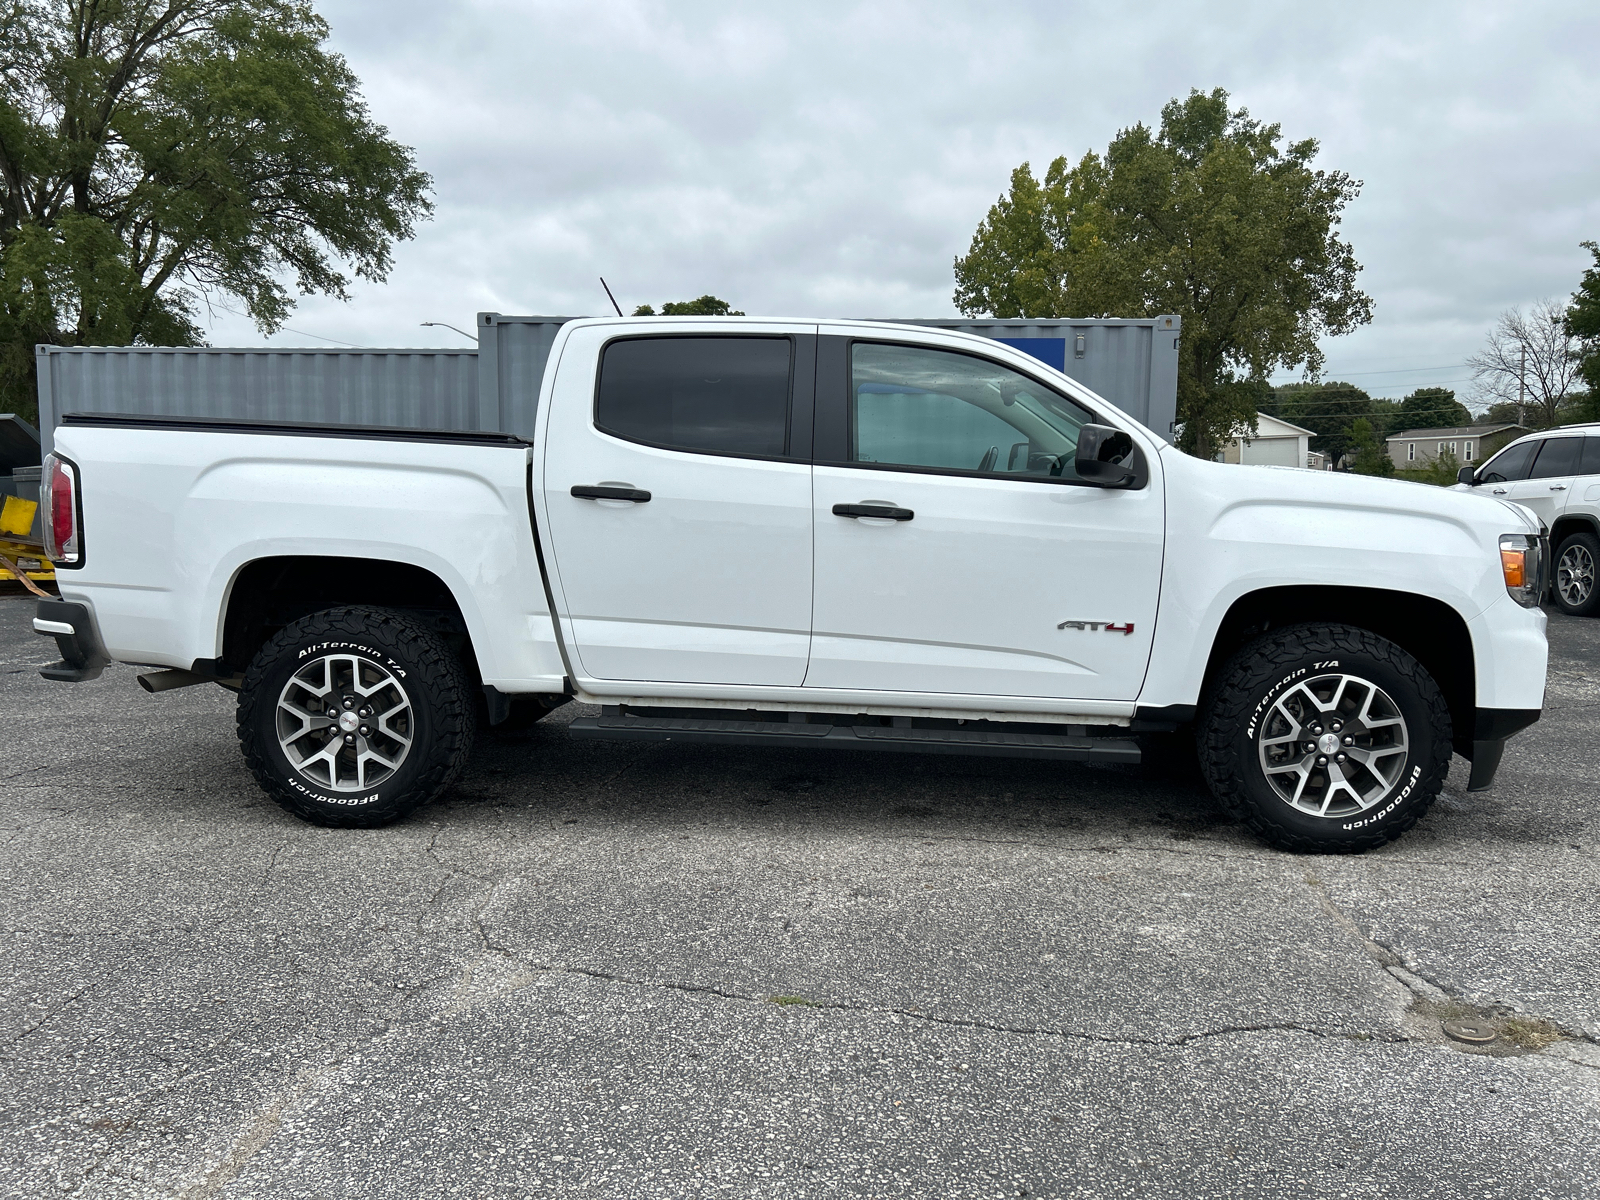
<point>1503,413</point>
<point>1442,471</point>
<point>1432,408</point>
<point>705,306</point>
<point>1329,410</point>
<point>1211,218</point>
<point>1367,450</point>
<point>1583,323</point>
<point>158,154</point>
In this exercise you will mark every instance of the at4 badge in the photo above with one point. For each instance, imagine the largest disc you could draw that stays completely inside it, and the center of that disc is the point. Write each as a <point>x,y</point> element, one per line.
<point>1109,626</point>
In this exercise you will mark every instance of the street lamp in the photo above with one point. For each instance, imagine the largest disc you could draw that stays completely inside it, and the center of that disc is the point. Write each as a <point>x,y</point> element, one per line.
<point>445,325</point>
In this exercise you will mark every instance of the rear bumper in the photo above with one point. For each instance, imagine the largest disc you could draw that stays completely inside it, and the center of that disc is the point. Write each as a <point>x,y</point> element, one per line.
<point>83,654</point>
<point>1491,729</point>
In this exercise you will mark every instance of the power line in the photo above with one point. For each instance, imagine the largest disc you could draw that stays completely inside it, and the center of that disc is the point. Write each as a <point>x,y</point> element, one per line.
<point>287,328</point>
<point>1400,370</point>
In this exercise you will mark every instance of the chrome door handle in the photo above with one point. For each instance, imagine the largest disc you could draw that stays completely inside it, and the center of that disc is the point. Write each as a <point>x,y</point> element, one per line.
<point>1558,487</point>
<point>604,492</point>
<point>1499,491</point>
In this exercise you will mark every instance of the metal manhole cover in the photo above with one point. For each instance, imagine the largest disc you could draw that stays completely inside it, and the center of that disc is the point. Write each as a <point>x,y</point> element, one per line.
<point>1467,1030</point>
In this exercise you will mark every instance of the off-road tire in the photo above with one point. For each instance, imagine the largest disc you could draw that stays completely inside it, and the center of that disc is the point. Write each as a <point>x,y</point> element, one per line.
<point>434,682</point>
<point>1267,670</point>
<point>1579,543</point>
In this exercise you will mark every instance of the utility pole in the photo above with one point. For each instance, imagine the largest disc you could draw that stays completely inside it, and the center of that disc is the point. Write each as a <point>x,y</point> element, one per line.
<point>1522,368</point>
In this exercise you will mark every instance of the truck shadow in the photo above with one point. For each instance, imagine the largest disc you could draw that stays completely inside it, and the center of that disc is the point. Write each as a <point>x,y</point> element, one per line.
<point>544,771</point>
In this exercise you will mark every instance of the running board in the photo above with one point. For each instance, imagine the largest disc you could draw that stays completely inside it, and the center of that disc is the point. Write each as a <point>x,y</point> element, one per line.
<point>916,736</point>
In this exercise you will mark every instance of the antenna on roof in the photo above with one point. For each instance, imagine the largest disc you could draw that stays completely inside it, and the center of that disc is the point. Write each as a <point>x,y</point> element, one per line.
<point>609,296</point>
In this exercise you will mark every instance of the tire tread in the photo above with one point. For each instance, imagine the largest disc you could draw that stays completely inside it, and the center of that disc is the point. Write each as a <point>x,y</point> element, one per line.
<point>1252,669</point>
<point>425,651</point>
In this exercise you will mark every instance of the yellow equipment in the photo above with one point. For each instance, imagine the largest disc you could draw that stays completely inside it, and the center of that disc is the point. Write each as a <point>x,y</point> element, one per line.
<point>20,554</point>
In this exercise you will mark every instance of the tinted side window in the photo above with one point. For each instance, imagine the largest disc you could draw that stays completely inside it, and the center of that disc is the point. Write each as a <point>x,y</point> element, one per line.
<point>1559,457</point>
<point>1509,465</point>
<point>717,395</point>
<point>917,407</point>
<point>1591,457</point>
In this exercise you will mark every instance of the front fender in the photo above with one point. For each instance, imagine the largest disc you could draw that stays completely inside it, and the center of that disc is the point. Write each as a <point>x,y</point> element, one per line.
<point>1234,531</point>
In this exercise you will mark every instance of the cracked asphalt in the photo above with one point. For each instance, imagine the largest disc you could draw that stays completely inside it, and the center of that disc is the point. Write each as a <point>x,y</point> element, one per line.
<point>632,970</point>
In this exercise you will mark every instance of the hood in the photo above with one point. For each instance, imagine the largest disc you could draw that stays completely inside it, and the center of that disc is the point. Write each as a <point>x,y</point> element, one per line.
<point>1340,490</point>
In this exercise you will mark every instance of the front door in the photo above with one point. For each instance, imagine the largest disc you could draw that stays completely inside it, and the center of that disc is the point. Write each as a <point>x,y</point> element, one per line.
<point>679,506</point>
<point>956,551</point>
<point>1550,479</point>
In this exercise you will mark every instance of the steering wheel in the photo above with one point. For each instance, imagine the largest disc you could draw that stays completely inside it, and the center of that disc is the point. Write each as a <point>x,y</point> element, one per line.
<point>990,458</point>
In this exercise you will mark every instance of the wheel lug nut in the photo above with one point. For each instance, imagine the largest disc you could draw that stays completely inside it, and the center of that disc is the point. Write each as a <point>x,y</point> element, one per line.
<point>1339,759</point>
<point>1336,726</point>
<point>349,739</point>
<point>1322,760</point>
<point>365,731</point>
<point>1349,741</point>
<point>1316,729</point>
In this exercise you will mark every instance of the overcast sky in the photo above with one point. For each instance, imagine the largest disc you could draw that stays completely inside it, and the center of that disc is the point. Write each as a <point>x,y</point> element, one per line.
<point>831,159</point>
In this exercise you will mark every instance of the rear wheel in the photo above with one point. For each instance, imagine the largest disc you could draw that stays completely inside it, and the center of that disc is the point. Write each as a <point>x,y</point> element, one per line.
<point>1574,583</point>
<point>1326,739</point>
<point>355,717</point>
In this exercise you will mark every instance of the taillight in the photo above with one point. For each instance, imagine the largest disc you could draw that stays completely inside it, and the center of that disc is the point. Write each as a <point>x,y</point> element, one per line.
<point>60,498</point>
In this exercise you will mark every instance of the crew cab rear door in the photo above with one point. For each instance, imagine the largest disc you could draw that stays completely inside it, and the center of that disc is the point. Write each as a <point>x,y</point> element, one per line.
<point>957,552</point>
<point>677,489</point>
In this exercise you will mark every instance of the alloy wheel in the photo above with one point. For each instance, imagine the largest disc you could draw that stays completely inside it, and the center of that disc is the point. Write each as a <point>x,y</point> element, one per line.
<point>345,723</point>
<point>1334,745</point>
<point>1575,575</point>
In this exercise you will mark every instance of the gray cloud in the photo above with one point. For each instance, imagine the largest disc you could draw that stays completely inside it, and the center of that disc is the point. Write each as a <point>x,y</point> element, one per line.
<point>831,159</point>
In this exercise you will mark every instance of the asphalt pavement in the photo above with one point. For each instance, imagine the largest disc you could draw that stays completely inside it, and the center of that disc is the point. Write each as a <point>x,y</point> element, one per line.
<point>632,970</point>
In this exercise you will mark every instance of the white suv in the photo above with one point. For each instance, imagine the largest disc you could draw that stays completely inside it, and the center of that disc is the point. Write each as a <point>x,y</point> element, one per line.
<point>1556,474</point>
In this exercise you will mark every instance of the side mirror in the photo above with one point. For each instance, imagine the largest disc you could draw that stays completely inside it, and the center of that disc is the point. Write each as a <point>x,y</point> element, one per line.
<point>1104,457</point>
<point>1468,476</point>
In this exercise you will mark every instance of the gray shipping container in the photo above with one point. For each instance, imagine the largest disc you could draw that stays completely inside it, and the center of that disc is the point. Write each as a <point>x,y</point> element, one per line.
<point>1133,363</point>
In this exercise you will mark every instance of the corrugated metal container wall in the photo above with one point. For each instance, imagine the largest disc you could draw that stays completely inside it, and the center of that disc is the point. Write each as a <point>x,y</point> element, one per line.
<point>512,352</point>
<point>1132,362</point>
<point>417,389</point>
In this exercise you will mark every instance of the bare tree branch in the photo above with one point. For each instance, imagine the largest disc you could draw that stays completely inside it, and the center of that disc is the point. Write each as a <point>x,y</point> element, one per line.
<point>1530,359</point>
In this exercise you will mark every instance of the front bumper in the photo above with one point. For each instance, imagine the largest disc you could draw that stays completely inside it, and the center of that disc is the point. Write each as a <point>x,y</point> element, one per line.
<point>1491,729</point>
<point>83,655</point>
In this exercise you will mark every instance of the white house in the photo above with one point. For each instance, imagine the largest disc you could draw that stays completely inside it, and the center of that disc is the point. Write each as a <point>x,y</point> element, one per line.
<point>1276,444</point>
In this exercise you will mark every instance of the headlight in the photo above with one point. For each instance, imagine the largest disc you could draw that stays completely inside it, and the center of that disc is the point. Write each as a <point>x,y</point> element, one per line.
<point>1522,564</point>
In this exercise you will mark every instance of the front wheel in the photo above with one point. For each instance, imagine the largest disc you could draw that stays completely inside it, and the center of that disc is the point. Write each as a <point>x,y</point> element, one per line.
<point>1574,583</point>
<point>355,717</point>
<point>1325,739</point>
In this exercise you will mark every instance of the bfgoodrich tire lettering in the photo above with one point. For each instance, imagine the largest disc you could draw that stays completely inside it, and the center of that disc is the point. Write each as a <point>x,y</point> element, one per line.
<point>1325,739</point>
<point>396,683</point>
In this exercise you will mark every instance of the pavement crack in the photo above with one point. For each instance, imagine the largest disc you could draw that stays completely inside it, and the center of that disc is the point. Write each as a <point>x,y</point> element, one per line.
<point>1428,995</point>
<point>1061,848</point>
<point>700,989</point>
<point>55,1009</point>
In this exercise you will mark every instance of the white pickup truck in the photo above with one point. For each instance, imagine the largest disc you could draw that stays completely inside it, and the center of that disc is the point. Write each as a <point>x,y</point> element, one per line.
<point>803,534</point>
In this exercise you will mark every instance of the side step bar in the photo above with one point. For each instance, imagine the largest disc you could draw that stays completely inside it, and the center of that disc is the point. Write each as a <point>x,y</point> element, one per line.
<point>914,735</point>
